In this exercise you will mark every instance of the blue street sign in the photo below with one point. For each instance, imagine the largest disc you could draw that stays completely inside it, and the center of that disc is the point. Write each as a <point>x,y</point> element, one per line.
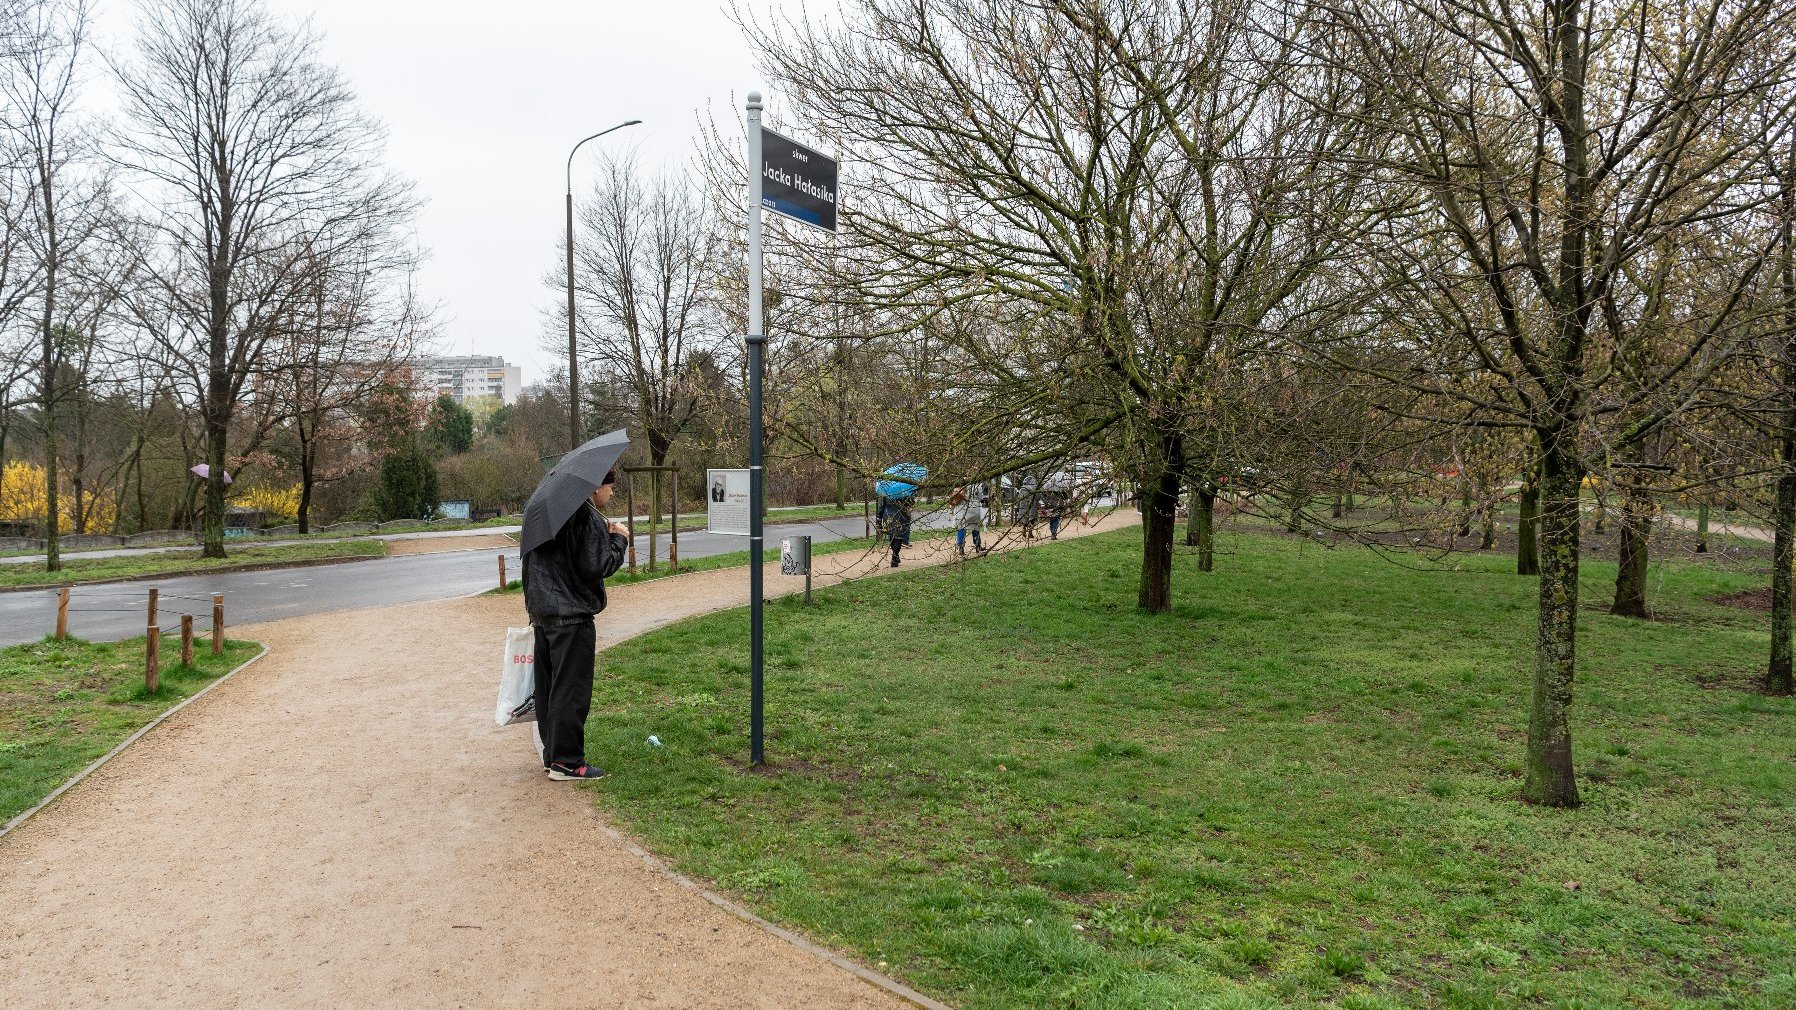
<point>797,182</point>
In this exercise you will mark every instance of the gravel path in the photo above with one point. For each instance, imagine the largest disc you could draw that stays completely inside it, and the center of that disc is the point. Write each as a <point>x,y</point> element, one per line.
<point>1722,528</point>
<point>343,825</point>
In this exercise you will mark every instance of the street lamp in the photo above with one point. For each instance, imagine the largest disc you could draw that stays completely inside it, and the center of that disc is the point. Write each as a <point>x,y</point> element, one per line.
<point>573,359</point>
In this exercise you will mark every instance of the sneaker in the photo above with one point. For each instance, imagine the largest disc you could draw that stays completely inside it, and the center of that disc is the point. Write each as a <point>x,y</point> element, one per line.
<point>570,773</point>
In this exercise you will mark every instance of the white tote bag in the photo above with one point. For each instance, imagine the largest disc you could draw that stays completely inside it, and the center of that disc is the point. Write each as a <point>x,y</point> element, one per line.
<point>517,678</point>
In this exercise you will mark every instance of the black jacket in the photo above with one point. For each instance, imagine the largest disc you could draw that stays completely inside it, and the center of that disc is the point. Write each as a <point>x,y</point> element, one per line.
<point>564,578</point>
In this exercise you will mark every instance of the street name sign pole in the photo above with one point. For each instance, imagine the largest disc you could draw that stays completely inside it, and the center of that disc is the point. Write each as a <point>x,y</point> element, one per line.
<point>797,182</point>
<point>757,341</point>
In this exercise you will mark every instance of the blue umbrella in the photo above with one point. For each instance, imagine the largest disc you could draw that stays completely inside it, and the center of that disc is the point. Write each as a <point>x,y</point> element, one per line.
<point>901,480</point>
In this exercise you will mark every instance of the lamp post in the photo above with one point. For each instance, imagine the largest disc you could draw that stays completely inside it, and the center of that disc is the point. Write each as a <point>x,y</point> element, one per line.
<point>573,358</point>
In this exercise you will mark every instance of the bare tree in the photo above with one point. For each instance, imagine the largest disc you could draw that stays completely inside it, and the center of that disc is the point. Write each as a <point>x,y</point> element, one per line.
<point>1130,182</point>
<point>1552,152</point>
<point>354,336</point>
<point>1781,160</point>
<point>257,159</point>
<point>41,87</point>
<point>645,266</point>
<point>18,285</point>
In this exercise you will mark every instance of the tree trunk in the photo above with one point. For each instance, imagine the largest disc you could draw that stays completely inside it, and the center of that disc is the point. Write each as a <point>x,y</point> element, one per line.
<point>212,519</point>
<point>1340,508</point>
<point>1702,526</point>
<point>1778,676</point>
<point>1191,535</point>
<point>137,482</point>
<point>1465,512</point>
<point>841,488</point>
<point>47,416</point>
<point>1204,517</point>
<point>1550,778</point>
<point>1159,507</point>
<point>307,467</point>
<point>1636,535</point>
<point>82,518</point>
<point>659,445</point>
<point>1778,679</point>
<point>1487,518</point>
<point>1527,553</point>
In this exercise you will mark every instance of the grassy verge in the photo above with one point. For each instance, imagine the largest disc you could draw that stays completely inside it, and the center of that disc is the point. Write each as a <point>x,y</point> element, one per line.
<point>411,528</point>
<point>736,559</point>
<point>68,702</point>
<point>94,569</point>
<point>693,522</point>
<point>1009,787</point>
<point>408,528</point>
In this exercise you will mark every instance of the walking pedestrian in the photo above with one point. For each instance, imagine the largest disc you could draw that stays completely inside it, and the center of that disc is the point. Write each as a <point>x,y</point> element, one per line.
<point>1052,506</point>
<point>894,517</point>
<point>564,587</point>
<point>969,516</point>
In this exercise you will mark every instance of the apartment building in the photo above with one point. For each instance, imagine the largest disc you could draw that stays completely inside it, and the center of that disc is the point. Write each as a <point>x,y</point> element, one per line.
<point>471,376</point>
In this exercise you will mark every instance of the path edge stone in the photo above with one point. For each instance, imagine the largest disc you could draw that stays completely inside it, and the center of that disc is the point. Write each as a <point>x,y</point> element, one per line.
<point>75,779</point>
<point>854,968</point>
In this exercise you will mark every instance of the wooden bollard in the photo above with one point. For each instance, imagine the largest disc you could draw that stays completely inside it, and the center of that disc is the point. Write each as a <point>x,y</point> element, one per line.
<point>217,624</point>
<point>62,614</point>
<point>151,643</point>
<point>151,619</point>
<point>502,573</point>
<point>186,640</point>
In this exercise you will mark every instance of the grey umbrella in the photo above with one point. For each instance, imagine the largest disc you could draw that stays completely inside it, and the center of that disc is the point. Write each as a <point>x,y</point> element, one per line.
<point>567,487</point>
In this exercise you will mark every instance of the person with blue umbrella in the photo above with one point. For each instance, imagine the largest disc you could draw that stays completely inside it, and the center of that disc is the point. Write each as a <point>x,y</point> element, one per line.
<point>895,489</point>
<point>568,550</point>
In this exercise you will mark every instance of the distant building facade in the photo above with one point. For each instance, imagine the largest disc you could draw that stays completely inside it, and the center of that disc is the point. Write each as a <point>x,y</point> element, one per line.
<point>471,376</point>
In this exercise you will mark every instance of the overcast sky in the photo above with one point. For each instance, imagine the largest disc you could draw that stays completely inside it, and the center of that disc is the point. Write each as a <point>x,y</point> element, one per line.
<point>482,102</point>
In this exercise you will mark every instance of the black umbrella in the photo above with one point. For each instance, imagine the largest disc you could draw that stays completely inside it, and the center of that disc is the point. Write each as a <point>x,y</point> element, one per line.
<point>567,487</point>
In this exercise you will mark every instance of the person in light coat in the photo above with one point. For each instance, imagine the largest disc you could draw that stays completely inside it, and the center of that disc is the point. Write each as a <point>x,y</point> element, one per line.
<point>968,503</point>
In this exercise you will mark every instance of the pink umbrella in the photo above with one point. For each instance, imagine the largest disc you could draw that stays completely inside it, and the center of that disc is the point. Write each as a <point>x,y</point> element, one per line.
<point>203,471</point>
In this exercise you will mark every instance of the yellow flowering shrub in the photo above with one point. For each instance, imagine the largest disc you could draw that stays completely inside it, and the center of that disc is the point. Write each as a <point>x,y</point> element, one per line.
<point>24,491</point>
<point>274,502</point>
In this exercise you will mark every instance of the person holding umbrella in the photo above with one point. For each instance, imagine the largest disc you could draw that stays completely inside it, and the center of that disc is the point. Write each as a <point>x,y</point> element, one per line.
<point>895,488</point>
<point>568,550</point>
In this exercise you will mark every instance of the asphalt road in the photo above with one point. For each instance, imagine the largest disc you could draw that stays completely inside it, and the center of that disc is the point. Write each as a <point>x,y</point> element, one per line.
<point>117,610</point>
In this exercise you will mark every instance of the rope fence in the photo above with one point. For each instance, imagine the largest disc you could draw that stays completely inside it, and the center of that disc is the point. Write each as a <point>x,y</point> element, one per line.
<point>152,600</point>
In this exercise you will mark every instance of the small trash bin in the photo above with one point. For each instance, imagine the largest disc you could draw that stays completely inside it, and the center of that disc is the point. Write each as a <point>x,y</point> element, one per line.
<point>795,556</point>
<point>795,559</point>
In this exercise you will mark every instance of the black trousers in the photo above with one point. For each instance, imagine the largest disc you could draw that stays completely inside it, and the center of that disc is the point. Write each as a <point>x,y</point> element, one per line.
<point>564,657</point>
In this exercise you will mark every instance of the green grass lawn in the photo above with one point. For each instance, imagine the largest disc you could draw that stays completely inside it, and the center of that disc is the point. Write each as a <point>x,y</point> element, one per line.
<point>1004,784</point>
<point>63,704</point>
<point>78,569</point>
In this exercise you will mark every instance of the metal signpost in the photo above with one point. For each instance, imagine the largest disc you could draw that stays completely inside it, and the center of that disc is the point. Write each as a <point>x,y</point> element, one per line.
<point>796,182</point>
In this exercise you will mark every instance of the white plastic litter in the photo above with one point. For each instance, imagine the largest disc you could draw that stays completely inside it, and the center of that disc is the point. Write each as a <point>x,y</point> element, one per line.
<point>654,741</point>
<point>517,678</point>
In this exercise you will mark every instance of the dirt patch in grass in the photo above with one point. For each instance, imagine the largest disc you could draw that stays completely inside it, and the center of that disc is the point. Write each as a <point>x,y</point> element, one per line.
<point>1746,599</point>
<point>442,545</point>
